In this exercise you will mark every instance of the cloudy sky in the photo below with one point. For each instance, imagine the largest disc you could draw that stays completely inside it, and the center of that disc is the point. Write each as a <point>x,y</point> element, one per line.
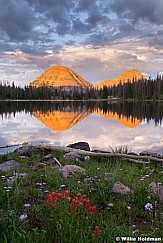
<point>99,39</point>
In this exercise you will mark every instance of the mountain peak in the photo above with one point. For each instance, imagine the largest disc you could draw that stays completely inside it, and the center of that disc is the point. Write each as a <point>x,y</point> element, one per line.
<point>60,76</point>
<point>57,76</point>
<point>130,75</point>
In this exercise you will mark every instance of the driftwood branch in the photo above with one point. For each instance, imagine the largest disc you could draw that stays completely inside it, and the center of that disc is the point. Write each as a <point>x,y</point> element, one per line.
<point>13,145</point>
<point>93,154</point>
<point>57,161</point>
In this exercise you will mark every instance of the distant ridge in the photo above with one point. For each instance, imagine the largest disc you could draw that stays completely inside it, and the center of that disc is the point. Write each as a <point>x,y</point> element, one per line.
<point>57,76</point>
<point>130,75</point>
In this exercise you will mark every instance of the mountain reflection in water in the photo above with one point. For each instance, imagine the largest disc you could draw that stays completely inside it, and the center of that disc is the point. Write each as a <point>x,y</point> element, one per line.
<point>137,125</point>
<point>63,120</point>
<point>63,115</point>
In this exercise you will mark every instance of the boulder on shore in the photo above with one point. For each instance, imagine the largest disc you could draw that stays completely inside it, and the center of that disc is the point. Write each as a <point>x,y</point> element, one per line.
<point>30,150</point>
<point>80,145</point>
<point>150,154</point>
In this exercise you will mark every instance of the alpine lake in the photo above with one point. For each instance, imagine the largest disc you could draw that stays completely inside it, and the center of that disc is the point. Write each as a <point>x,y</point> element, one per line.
<point>103,124</point>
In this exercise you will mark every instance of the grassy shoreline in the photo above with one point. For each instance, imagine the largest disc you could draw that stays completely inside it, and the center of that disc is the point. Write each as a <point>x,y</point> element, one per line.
<point>57,223</point>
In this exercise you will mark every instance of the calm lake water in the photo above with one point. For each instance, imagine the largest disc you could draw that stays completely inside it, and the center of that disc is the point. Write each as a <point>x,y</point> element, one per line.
<point>137,125</point>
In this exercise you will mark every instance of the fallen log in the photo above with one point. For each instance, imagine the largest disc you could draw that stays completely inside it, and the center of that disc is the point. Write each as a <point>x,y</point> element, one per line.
<point>13,145</point>
<point>93,154</point>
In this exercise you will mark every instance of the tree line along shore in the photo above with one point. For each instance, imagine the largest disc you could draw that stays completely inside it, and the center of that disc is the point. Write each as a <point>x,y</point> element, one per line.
<point>143,89</point>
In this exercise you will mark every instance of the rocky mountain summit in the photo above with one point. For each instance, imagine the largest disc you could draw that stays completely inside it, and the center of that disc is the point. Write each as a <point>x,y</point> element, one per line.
<point>60,76</point>
<point>57,76</point>
<point>129,75</point>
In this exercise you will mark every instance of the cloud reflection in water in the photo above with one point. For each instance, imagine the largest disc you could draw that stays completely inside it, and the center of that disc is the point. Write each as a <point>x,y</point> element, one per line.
<point>99,127</point>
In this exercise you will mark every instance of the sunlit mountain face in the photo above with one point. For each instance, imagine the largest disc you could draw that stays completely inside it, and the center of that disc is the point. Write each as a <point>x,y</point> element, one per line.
<point>58,76</point>
<point>130,75</point>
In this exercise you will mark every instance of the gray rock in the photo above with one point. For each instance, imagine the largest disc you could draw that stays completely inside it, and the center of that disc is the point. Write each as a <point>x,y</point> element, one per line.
<point>73,156</point>
<point>30,150</point>
<point>148,153</point>
<point>68,170</point>
<point>157,190</point>
<point>38,166</point>
<point>156,155</point>
<point>80,145</point>
<point>9,165</point>
<point>120,188</point>
<point>145,153</point>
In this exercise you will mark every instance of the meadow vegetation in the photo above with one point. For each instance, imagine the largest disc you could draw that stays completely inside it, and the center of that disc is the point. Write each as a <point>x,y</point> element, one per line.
<point>44,207</point>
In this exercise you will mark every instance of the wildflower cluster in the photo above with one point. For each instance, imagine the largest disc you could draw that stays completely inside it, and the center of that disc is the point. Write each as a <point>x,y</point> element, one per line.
<point>54,197</point>
<point>88,207</point>
<point>86,203</point>
<point>75,203</point>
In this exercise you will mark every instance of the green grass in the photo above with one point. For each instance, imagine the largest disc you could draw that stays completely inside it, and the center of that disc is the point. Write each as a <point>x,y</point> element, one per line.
<point>47,224</point>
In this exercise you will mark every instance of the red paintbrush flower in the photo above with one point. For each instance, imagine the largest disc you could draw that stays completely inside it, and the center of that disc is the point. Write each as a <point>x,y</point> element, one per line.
<point>66,193</point>
<point>52,198</point>
<point>86,203</point>
<point>73,205</point>
<point>78,196</point>
<point>60,195</point>
<point>53,194</point>
<point>96,231</point>
<point>49,201</point>
<point>93,209</point>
